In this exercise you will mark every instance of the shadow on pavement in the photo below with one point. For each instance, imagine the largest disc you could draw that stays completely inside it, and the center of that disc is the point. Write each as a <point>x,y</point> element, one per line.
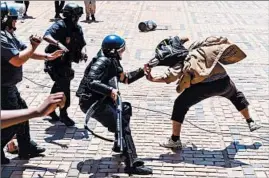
<point>20,166</point>
<point>107,165</point>
<point>218,158</point>
<point>28,17</point>
<point>111,165</point>
<point>91,21</point>
<point>59,132</point>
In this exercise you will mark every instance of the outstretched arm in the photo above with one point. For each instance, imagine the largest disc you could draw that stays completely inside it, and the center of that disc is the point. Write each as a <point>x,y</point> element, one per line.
<point>48,56</point>
<point>169,76</point>
<point>131,77</point>
<point>13,117</point>
<point>158,79</point>
<point>17,57</point>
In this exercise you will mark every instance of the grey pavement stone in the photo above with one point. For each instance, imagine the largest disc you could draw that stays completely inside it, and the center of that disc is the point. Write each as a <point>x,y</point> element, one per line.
<point>248,171</point>
<point>206,154</point>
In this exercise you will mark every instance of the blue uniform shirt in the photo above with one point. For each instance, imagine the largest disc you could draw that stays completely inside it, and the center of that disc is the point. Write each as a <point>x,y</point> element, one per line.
<point>64,33</point>
<point>10,47</point>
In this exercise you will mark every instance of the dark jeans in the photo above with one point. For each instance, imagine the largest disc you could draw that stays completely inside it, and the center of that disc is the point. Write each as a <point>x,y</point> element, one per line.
<point>106,114</point>
<point>62,81</point>
<point>11,99</point>
<point>58,6</point>
<point>198,92</point>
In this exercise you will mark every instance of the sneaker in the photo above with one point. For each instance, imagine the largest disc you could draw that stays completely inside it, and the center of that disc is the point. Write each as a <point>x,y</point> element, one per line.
<point>140,170</point>
<point>171,144</point>
<point>33,151</point>
<point>12,147</point>
<point>253,126</point>
<point>66,120</point>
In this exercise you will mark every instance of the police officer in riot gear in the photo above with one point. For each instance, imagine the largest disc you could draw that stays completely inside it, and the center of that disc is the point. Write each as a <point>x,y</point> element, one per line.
<point>67,35</point>
<point>13,55</point>
<point>96,84</point>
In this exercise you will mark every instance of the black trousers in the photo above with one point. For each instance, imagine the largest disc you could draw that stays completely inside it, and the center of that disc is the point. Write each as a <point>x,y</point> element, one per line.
<point>26,3</point>
<point>198,92</point>
<point>62,79</point>
<point>106,114</point>
<point>58,6</point>
<point>10,100</point>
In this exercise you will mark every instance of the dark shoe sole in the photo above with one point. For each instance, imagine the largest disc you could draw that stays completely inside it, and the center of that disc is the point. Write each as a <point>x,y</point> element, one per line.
<point>5,161</point>
<point>32,154</point>
<point>131,171</point>
<point>254,128</point>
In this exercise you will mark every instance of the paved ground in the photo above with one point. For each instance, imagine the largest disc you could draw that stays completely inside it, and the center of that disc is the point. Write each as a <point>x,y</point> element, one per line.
<point>73,153</point>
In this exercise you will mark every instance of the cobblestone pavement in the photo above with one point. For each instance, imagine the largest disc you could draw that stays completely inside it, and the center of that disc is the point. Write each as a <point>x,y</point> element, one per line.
<point>71,152</point>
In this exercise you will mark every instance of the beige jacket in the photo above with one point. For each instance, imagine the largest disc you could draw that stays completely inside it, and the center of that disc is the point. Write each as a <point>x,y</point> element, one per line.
<point>204,61</point>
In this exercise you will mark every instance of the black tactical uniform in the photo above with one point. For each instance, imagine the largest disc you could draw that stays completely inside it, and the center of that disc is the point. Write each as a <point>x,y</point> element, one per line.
<point>10,97</point>
<point>96,84</point>
<point>68,33</point>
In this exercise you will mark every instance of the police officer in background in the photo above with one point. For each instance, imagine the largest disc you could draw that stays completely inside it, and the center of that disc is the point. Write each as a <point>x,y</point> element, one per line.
<point>67,35</point>
<point>13,55</point>
<point>96,84</point>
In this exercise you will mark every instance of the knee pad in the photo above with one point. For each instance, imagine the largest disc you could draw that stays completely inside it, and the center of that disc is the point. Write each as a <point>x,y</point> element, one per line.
<point>126,109</point>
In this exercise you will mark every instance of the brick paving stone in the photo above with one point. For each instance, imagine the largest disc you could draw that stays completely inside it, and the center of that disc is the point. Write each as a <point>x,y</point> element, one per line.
<point>261,174</point>
<point>206,154</point>
<point>248,171</point>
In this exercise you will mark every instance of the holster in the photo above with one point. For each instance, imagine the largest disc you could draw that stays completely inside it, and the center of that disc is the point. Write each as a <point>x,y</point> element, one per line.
<point>59,72</point>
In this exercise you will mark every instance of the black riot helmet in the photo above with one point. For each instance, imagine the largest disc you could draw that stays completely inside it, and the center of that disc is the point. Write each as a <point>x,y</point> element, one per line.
<point>113,46</point>
<point>72,10</point>
<point>8,14</point>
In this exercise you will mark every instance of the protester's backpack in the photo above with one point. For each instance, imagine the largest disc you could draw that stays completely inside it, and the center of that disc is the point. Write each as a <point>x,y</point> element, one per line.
<point>169,52</point>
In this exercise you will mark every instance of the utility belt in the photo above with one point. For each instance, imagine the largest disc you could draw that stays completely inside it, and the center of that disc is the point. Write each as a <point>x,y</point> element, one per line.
<point>59,72</point>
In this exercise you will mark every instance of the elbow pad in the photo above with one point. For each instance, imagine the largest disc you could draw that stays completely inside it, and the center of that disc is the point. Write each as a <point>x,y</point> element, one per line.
<point>100,88</point>
<point>135,75</point>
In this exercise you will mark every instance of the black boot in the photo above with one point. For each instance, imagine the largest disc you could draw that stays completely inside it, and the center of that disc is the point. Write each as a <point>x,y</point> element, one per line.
<point>66,120</point>
<point>115,148</point>
<point>140,170</point>
<point>4,159</point>
<point>137,167</point>
<point>87,18</point>
<point>34,150</point>
<point>57,16</point>
<point>54,117</point>
<point>93,18</point>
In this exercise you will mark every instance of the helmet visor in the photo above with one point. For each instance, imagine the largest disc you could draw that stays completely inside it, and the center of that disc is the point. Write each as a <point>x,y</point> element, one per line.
<point>123,52</point>
<point>78,11</point>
